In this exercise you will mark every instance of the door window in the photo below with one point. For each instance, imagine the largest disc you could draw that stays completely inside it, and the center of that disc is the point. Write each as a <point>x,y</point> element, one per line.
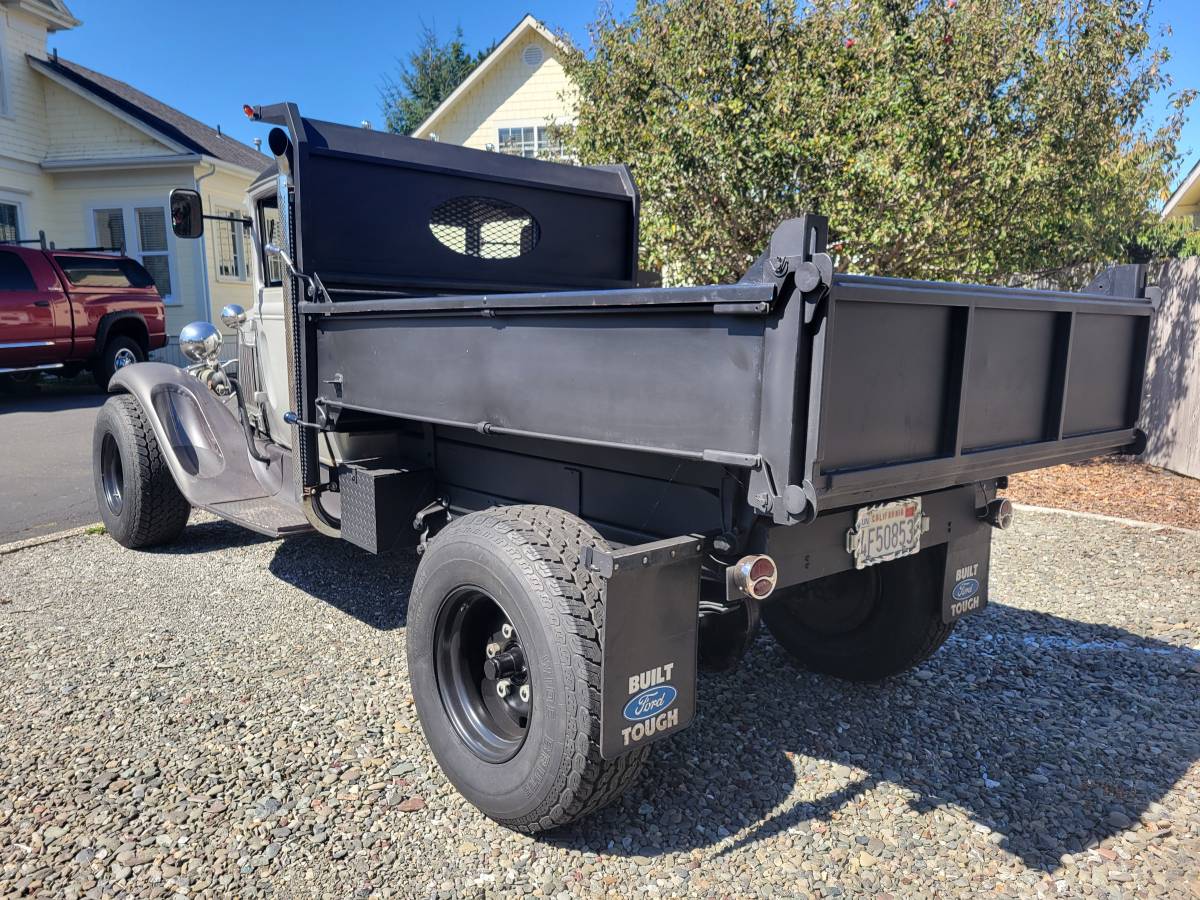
<point>14,274</point>
<point>270,231</point>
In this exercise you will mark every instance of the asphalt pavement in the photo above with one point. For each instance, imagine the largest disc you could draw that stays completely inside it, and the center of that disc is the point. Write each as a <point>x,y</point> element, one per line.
<point>47,451</point>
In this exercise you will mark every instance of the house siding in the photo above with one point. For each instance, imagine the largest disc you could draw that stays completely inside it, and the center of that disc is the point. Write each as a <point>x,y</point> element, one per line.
<point>81,130</point>
<point>222,191</point>
<point>511,93</point>
<point>23,131</point>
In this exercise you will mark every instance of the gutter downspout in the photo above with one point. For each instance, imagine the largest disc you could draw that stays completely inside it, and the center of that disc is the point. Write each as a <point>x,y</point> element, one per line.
<point>212,169</point>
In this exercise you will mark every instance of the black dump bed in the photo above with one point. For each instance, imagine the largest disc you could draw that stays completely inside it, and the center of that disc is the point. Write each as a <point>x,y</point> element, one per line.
<point>474,289</point>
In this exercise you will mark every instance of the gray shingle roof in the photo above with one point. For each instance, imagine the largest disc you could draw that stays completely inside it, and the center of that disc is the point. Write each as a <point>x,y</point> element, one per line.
<point>166,120</point>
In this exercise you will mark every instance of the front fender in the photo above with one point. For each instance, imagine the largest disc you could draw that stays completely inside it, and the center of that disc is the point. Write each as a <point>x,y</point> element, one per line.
<point>201,438</point>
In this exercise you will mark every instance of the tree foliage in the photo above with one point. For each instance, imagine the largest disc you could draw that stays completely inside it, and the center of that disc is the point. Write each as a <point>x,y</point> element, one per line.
<point>1165,240</point>
<point>958,139</point>
<point>429,74</point>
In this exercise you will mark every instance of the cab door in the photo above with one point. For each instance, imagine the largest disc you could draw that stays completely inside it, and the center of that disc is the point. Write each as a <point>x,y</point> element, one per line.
<point>35,319</point>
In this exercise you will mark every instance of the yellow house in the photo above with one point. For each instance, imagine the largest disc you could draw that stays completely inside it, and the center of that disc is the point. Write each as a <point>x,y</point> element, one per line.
<point>1185,202</point>
<point>89,161</point>
<point>511,101</point>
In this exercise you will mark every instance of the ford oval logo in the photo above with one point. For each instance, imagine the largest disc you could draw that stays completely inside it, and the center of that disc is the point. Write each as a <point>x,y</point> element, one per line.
<point>650,702</point>
<point>966,589</point>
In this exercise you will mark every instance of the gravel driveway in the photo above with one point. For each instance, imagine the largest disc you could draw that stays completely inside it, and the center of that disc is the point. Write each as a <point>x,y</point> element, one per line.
<point>233,718</point>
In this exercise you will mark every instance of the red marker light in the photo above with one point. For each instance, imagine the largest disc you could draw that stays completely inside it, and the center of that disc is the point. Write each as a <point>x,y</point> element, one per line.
<point>248,110</point>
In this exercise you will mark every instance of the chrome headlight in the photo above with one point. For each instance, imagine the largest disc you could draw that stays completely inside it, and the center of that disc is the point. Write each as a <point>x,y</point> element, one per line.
<point>233,315</point>
<point>200,342</point>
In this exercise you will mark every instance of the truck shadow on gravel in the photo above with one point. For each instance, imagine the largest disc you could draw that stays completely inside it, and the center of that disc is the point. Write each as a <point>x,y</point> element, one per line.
<point>1051,734</point>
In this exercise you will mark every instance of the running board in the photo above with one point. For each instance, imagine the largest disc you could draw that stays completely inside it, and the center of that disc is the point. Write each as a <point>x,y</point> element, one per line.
<point>265,515</point>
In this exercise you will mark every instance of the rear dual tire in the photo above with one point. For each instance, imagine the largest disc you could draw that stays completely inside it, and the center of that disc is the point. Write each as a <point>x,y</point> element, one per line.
<point>864,624</point>
<point>530,764</point>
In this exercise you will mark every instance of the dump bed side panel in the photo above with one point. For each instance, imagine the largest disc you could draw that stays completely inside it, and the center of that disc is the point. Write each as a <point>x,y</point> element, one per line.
<point>921,385</point>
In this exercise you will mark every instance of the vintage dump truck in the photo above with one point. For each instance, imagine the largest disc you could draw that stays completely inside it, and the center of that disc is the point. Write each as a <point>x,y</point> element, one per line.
<point>449,353</point>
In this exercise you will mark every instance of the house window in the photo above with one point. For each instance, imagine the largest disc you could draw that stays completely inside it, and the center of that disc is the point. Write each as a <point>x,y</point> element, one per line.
<point>152,242</point>
<point>139,232</point>
<point>10,222</point>
<point>110,229</point>
<point>530,140</point>
<point>232,246</point>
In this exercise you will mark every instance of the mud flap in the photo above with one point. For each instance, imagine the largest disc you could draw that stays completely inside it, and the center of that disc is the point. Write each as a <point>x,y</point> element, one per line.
<point>965,584</point>
<point>648,661</point>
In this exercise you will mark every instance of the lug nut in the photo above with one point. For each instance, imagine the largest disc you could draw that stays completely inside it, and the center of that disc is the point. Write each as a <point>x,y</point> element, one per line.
<point>503,686</point>
<point>523,693</point>
<point>492,649</point>
<point>506,630</point>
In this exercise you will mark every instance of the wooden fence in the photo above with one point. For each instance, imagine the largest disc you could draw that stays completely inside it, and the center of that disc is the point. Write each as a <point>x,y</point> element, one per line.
<point>1171,408</point>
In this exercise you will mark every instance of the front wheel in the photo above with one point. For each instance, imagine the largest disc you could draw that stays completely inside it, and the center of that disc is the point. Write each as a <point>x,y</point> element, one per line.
<point>864,624</point>
<point>504,631</point>
<point>140,504</point>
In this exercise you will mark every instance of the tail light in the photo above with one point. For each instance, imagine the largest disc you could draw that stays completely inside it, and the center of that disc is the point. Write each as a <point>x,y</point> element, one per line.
<point>755,576</point>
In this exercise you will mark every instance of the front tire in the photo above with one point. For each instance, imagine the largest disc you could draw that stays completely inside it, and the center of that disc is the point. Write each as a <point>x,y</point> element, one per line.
<point>495,588</point>
<point>864,624</point>
<point>140,504</point>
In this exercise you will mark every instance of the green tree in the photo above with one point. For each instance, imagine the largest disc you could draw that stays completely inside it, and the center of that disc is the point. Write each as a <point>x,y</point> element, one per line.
<point>955,139</point>
<point>425,79</point>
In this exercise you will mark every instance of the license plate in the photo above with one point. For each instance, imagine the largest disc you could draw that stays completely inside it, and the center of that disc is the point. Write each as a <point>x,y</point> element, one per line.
<point>887,531</point>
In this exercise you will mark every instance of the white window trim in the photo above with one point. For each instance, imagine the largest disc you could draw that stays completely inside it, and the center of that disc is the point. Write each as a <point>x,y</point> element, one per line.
<point>10,199</point>
<point>132,248</point>
<point>5,70</point>
<point>216,260</point>
<point>536,126</point>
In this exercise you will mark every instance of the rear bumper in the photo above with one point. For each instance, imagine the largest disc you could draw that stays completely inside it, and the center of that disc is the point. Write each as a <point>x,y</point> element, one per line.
<point>806,552</point>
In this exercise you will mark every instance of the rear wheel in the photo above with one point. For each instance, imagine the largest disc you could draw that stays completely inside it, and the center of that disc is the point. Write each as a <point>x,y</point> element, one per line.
<point>864,624</point>
<point>504,630</point>
<point>118,353</point>
<point>139,501</point>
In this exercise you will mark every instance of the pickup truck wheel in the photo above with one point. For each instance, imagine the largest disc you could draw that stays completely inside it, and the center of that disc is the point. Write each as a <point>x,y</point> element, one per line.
<point>504,630</point>
<point>139,501</point>
<point>118,353</point>
<point>864,624</point>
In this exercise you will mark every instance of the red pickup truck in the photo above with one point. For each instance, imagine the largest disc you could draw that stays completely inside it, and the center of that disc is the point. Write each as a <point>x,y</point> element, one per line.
<point>65,310</point>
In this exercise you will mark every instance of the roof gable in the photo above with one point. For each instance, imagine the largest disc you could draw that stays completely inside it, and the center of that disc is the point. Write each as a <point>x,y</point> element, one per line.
<point>1187,194</point>
<point>176,128</point>
<point>53,13</point>
<point>527,25</point>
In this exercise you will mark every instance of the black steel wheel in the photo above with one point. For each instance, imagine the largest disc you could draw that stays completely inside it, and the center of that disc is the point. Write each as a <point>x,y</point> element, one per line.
<point>112,474</point>
<point>503,641</point>
<point>137,497</point>
<point>864,624</point>
<point>482,678</point>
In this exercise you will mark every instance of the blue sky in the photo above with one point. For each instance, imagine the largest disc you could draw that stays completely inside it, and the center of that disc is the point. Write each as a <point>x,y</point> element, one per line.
<point>209,58</point>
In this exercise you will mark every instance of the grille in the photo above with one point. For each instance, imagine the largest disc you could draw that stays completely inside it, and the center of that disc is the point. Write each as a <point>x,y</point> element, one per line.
<point>484,228</point>
<point>247,371</point>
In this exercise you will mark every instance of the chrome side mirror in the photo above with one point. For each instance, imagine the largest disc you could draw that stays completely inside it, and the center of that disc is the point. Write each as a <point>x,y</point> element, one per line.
<point>233,315</point>
<point>200,342</point>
